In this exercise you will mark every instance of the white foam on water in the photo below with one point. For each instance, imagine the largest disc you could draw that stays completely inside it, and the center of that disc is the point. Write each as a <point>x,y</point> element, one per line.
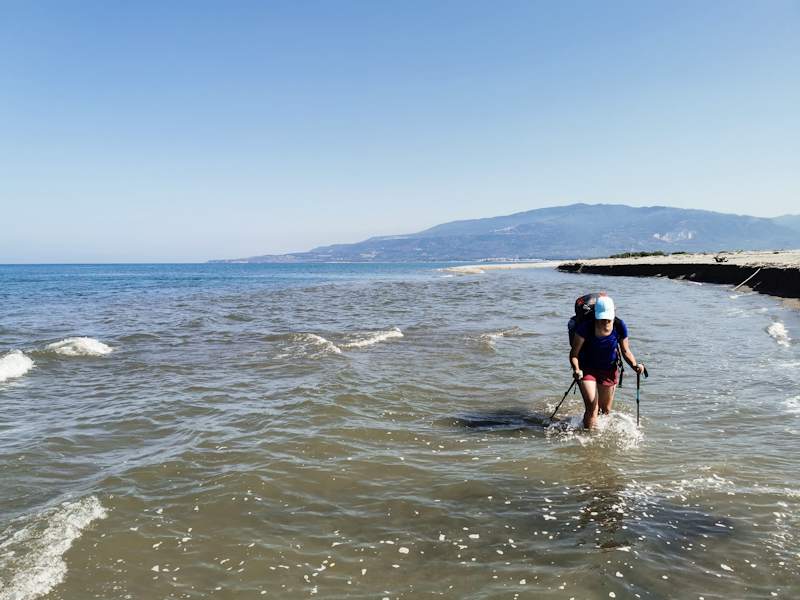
<point>327,345</point>
<point>313,346</point>
<point>375,337</point>
<point>778,331</point>
<point>616,429</point>
<point>34,554</point>
<point>80,346</point>
<point>14,364</point>
<point>714,482</point>
<point>489,338</point>
<point>306,345</point>
<point>793,405</point>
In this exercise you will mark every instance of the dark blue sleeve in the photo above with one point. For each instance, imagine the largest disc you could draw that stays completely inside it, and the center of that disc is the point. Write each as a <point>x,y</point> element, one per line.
<point>582,330</point>
<point>622,329</point>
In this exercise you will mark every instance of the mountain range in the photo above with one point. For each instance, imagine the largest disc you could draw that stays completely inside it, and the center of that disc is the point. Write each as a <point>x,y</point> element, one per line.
<point>565,232</point>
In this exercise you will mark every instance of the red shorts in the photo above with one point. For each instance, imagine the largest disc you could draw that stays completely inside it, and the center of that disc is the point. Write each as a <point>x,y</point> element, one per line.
<point>601,376</point>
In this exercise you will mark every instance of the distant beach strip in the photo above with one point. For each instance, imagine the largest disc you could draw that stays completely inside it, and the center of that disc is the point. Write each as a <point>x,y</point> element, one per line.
<point>479,269</point>
<point>775,273</point>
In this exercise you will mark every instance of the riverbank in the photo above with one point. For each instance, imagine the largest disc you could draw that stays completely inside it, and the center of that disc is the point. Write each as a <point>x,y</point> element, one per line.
<point>776,273</point>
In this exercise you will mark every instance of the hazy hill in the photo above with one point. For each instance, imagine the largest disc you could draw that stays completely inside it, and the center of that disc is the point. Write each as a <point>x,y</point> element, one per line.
<point>792,221</point>
<point>576,231</point>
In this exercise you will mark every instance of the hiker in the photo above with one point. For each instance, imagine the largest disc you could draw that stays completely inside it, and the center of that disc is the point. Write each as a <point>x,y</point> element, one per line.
<point>594,358</point>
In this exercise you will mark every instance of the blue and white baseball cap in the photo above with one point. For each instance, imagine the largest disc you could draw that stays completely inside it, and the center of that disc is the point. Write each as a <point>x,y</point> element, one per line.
<point>604,308</point>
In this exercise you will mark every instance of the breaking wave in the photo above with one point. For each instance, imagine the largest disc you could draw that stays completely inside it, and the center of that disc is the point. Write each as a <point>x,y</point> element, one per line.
<point>34,554</point>
<point>489,338</point>
<point>80,346</point>
<point>321,341</point>
<point>14,364</point>
<point>778,331</point>
<point>374,338</point>
<point>309,345</point>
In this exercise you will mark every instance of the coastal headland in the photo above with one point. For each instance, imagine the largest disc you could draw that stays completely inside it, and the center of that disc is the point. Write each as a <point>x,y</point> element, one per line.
<point>776,273</point>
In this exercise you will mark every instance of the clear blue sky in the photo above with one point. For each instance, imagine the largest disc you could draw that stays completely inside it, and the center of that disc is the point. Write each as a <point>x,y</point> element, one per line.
<point>185,131</point>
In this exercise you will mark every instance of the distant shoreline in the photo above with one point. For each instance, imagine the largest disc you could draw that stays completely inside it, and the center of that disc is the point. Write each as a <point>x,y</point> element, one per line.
<point>775,273</point>
<point>478,269</point>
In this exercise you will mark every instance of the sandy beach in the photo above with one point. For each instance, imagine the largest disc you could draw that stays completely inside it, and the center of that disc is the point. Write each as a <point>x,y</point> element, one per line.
<point>776,273</point>
<point>770,258</point>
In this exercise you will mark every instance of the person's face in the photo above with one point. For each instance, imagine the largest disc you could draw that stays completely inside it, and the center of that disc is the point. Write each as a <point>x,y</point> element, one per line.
<point>604,322</point>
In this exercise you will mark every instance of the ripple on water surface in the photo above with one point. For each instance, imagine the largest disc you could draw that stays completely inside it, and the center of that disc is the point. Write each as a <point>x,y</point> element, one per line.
<point>379,436</point>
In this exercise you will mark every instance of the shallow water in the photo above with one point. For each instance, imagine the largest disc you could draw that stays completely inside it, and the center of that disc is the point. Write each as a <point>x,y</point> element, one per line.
<point>381,431</point>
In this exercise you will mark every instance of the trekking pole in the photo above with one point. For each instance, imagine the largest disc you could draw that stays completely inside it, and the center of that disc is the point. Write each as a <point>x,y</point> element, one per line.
<point>637,394</point>
<point>574,381</point>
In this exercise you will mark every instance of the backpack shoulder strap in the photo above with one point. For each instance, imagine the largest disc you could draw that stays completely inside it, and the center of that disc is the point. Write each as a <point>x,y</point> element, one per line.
<point>589,320</point>
<point>620,361</point>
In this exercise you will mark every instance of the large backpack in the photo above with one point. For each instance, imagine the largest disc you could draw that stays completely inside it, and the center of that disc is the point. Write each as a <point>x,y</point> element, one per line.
<point>584,311</point>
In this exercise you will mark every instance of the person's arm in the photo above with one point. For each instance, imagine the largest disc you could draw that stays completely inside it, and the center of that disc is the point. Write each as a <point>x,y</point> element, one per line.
<point>628,356</point>
<point>577,343</point>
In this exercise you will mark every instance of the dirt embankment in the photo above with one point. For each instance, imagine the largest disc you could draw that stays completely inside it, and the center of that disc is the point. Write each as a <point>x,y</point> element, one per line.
<point>774,273</point>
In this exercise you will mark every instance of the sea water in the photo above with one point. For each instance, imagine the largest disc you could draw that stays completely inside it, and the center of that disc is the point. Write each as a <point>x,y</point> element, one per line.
<point>382,431</point>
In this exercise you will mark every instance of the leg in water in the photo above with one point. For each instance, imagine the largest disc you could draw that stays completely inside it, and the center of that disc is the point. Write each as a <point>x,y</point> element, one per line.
<point>596,398</point>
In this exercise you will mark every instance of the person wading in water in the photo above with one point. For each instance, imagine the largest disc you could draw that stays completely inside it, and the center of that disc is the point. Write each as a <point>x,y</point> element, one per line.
<point>594,359</point>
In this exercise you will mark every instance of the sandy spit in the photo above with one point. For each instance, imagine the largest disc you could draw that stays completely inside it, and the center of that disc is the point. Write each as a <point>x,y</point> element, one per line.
<point>756,258</point>
<point>776,273</point>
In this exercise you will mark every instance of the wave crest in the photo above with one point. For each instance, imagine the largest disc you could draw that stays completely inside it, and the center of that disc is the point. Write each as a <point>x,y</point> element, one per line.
<point>313,346</point>
<point>489,338</point>
<point>14,364</point>
<point>327,345</point>
<point>374,338</point>
<point>80,346</point>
